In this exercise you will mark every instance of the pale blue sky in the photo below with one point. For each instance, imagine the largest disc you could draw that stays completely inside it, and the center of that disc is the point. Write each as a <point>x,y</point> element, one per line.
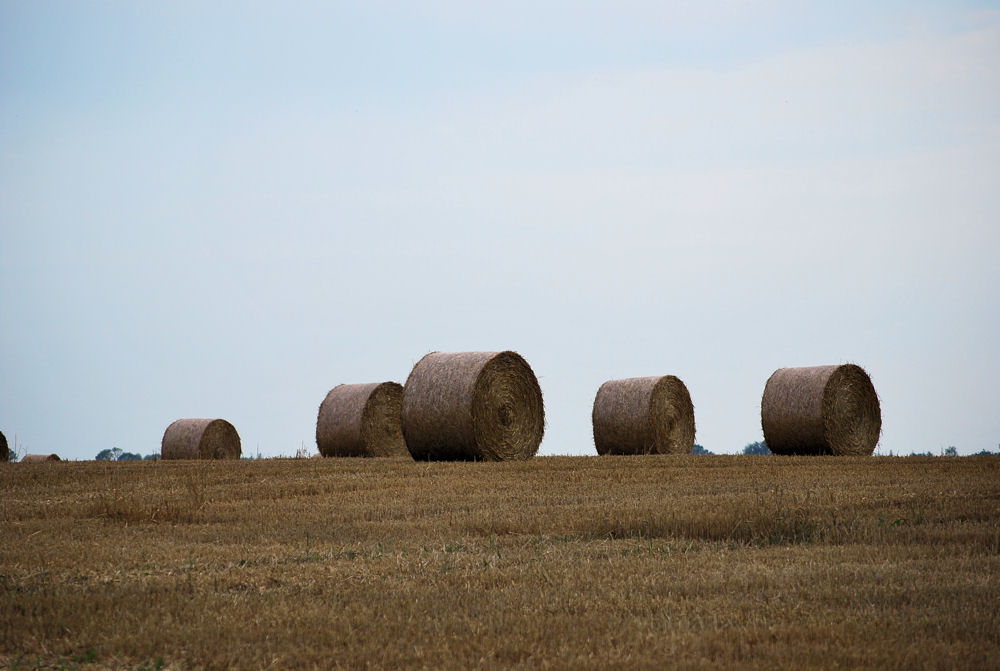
<point>225,209</point>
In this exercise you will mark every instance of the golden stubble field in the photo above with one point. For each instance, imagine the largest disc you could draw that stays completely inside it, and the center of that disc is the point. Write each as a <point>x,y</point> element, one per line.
<point>558,562</point>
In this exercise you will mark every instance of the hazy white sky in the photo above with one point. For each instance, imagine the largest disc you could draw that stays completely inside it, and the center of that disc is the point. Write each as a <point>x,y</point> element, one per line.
<point>225,209</point>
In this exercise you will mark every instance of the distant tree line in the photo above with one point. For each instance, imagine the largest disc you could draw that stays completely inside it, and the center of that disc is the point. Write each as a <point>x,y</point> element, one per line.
<point>952,451</point>
<point>752,448</point>
<point>116,454</point>
<point>760,447</point>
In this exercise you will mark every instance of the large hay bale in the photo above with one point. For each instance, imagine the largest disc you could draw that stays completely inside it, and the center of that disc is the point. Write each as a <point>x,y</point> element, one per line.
<point>361,420</point>
<point>200,439</point>
<point>39,458</point>
<point>820,410</point>
<point>4,450</point>
<point>472,406</point>
<point>643,415</point>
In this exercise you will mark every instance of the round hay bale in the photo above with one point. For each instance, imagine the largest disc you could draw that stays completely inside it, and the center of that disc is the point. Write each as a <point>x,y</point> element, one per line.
<point>4,449</point>
<point>482,406</point>
<point>200,439</point>
<point>643,415</point>
<point>39,458</point>
<point>361,420</point>
<point>820,410</point>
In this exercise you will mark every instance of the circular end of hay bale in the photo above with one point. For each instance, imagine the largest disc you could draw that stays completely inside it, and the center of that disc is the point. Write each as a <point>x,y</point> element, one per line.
<point>821,410</point>
<point>4,449</point>
<point>472,406</point>
<point>643,415</point>
<point>507,409</point>
<point>200,439</point>
<point>852,414</point>
<point>380,423</point>
<point>361,420</point>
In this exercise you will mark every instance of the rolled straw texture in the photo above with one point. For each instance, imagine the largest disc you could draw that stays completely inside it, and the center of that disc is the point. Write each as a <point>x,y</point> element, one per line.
<point>39,458</point>
<point>472,406</point>
<point>361,420</point>
<point>820,410</point>
<point>643,415</point>
<point>200,439</point>
<point>4,449</point>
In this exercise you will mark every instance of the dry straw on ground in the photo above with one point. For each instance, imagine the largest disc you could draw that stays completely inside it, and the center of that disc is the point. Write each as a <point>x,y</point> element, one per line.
<point>361,420</point>
<point>472,406</point>
<point>200,439</point>
<point>39,458</point>
<point>715,562</point>
<point>643,415</point>
<point>821,410</point>
<point>4,450</point>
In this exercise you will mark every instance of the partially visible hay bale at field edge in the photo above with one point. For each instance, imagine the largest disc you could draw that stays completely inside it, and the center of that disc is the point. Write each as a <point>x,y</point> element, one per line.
<point>39,458</point>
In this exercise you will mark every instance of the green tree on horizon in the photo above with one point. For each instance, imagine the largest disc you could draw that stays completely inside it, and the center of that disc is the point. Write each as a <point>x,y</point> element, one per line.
<point>759,447</point>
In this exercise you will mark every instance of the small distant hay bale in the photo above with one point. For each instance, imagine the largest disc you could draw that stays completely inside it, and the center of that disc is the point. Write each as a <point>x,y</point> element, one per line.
<point>361,420</point>
<point>39,458</point>
<point>473,406</point>
<point>200,439</point>
<point>4,450</point>
<point>821,410</point>
<point>643,415</point>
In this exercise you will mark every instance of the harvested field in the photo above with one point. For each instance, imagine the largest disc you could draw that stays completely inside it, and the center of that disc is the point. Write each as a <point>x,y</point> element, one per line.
<point>570,562</point>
